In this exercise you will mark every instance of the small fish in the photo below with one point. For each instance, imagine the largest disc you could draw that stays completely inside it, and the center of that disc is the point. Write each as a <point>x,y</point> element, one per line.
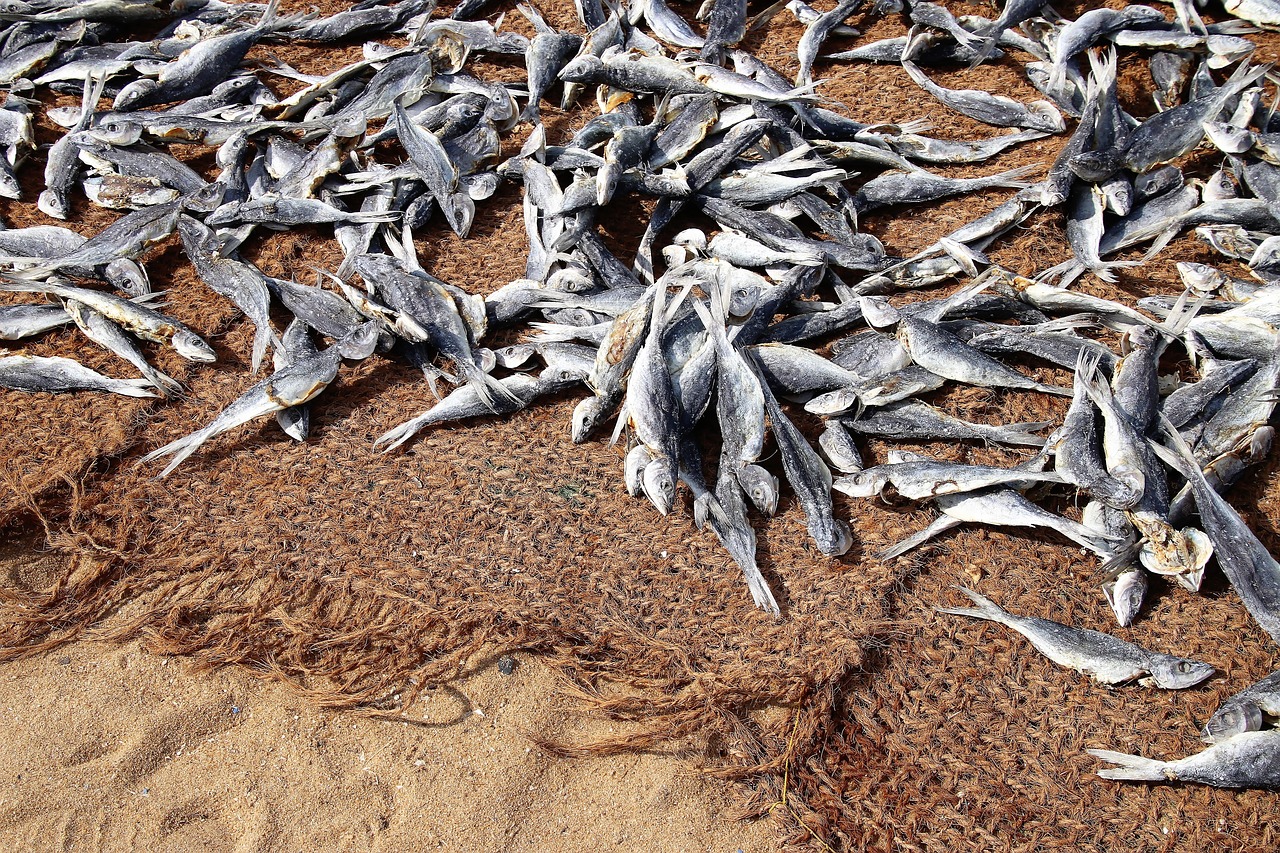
<point>918,187</point>
<point>1004,508</point>
<point>58,375</point>
<point>1248,760</point>
<point>111,337</point>
<point>142,321</point>
<point>923,480</point>
<point>294,385</point>
<point>1254,574</point>
<point>991,109</point>
<point>1106,659</point>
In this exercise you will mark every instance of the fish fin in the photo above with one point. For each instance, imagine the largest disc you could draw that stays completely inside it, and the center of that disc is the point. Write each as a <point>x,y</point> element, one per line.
<point>937,527</point>
<point>619,424</point>
<point>263,337</point>
<point>1132,768</point>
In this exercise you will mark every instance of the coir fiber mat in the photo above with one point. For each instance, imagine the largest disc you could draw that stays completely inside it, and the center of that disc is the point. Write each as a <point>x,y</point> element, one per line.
<point>864,718</point>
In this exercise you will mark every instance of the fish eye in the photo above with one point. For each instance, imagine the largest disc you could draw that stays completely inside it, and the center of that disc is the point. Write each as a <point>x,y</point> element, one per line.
<point>1184,666</point>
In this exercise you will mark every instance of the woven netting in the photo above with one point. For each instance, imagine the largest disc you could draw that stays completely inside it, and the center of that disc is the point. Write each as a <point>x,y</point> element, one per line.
<point>862,717</point>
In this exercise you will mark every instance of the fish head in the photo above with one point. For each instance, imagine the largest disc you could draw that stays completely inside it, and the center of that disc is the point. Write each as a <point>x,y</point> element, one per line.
<point>677,255</point>
<point>742,299</point>
<point>836,540</point>
<point>834,402</point>
<point>117,131</point>
<point>1125,595</point>
<point>1231,719</point>
<point>207,199</point>
<point>638,458</point>
<point>862,484</point>
<point>1228,138</point>
<point>128,275</point>
<point>659,484</point>
<point>1201,278</point>
<point>350,127</point>
<point>586,415</point>
<point>9,187</point>
<point>192,347</point>
<point>515,355</point>
<point>878,313</point>
<point>694,238</point>
<point>761,488</point>
<point>53,203</point>
<point>135,93</point>
<point>447,51</point>
<point>360,343</point>
<point>485,358</point>
<point>1174,673</point>
<point>583,69</point>
<point>571,279</point>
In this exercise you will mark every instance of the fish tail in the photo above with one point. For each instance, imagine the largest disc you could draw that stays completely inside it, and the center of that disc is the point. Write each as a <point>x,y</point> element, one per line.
<point>180,449</point>
<point>742,549</point>
<point>990,42</point>
<point>398,435</point>
<point>1023,432</point>
<point>1132,768</point>
<point>986,609</point>
<point>1064,273</point>
<point>366,216</point>
<point>1105,269</point>
<point>759,587</point>
<point>555,332</point>
<point>939,526</point>
<point>168,386</point>
<point>496,396</point>
<point>1013,177</point>
<point>532,112</point>
<point>134,388</point>
<point>968,258</point>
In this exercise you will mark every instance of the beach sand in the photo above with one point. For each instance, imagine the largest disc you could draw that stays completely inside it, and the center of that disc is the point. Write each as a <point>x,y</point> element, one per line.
<point>108,747</point>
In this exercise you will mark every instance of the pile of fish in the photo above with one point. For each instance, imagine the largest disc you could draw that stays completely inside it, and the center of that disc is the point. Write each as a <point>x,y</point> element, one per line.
<point>697,340</point>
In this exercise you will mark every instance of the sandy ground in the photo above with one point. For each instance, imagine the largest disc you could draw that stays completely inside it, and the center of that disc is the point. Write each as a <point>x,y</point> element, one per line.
<point>107,747</point>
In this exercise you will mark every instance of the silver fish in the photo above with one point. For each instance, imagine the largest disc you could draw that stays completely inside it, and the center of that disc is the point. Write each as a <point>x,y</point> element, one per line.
<point>1106,659</point>
<point>294,385</point>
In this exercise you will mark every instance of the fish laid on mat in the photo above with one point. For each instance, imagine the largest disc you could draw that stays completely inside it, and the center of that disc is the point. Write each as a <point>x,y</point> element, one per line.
<point>1106,659</point>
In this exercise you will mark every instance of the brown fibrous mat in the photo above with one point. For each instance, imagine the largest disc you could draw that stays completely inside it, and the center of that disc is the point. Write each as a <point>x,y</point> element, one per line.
<point>862,717</point>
